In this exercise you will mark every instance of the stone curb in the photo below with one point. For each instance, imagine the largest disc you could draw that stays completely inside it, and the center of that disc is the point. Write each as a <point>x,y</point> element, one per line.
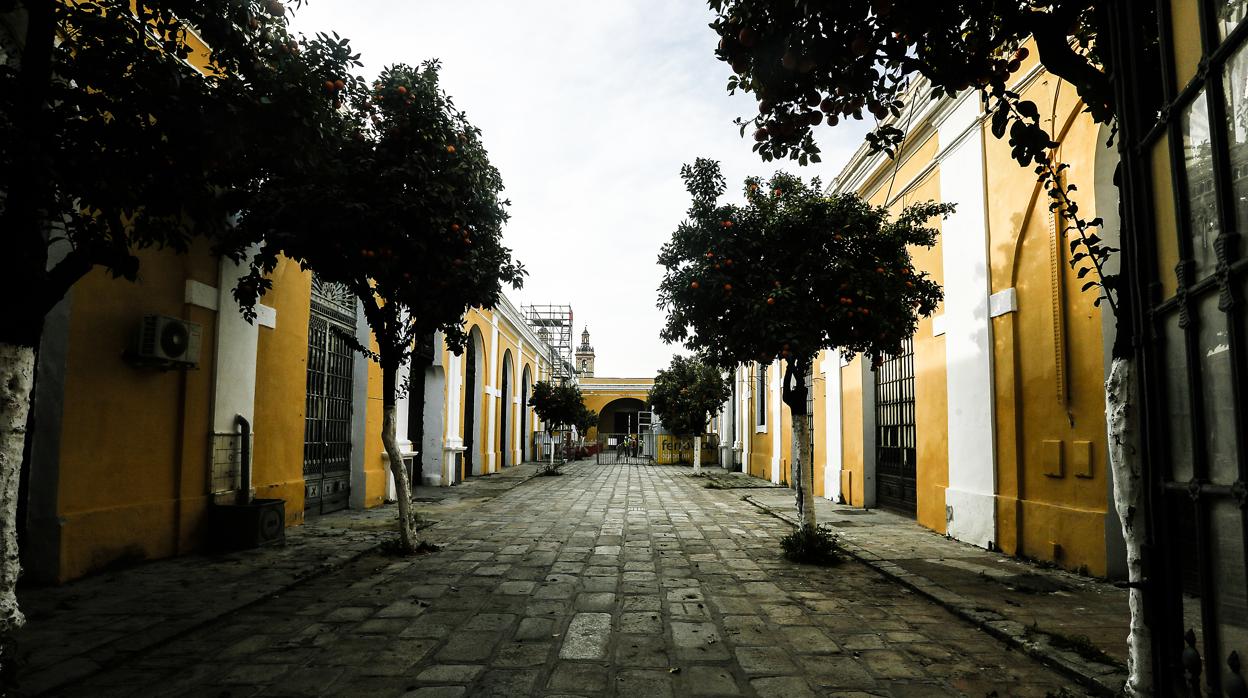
<point>1102,679</point>
<point>84,668</point>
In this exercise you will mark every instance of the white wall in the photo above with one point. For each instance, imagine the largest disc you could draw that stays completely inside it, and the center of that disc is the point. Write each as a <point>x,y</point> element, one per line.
<point>970,499</point>
<point>830,367</point>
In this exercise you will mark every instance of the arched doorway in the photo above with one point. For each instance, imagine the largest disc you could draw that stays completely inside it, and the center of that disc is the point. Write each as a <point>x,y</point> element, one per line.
<point>474,374</point>
<point>504,421</point>
<point>526,383</point>
<point>620,416</point>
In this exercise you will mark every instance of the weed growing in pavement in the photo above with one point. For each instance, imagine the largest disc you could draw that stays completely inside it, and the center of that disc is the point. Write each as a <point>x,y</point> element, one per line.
<point>391,548</point>
<point>812,545</point>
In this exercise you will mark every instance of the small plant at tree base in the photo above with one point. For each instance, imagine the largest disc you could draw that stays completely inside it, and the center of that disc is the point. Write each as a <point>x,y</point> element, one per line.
<point>812,545</point>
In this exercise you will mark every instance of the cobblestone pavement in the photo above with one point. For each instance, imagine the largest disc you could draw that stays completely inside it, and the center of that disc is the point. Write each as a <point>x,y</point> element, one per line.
<point>1075,622</point>
<point>75,630</point>
<point>609,581</point>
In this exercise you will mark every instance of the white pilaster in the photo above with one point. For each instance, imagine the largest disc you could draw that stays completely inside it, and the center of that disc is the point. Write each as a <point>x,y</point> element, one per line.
<point>492,391</point>
<point>234,391</point>
<point>970,499</point>
<point>831,368</point>
<point>774,421</point>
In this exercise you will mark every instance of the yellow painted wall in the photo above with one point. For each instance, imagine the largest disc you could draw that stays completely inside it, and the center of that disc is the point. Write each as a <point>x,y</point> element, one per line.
<point>134,441</point>
<point>1048,356</point>
<point>281,391</point>
<point>852,468</point>
<point>375,464</point>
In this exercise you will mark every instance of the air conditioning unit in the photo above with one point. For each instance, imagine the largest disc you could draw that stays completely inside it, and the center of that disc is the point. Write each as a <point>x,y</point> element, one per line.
<point>169,341</point>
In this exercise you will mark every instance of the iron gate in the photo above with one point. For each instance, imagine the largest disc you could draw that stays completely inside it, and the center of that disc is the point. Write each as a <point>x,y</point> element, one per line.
<point>1185,156</point>
<point>327,417</point>
<point>895,473</point>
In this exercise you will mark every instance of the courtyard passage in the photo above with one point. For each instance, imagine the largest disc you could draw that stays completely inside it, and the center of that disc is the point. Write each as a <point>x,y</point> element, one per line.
<point>610,580</point>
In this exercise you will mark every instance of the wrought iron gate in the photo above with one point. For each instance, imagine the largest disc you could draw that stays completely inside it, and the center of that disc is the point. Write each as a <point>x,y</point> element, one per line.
<point>327,420</point>
<point>895,474</point>
<point>1185,207</point>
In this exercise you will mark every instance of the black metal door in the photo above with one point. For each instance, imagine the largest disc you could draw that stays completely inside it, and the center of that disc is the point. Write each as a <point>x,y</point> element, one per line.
<point>894,432</point>
<point>327,420</point>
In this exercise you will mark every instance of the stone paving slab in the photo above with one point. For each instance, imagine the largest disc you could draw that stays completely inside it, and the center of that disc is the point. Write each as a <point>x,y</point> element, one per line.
<point>1075,623</point>
<point>723,614</point>
<point>80,628</point>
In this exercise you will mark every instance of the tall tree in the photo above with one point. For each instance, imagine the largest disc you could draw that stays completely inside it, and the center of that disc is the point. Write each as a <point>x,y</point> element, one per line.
<point>810,63</point>
<point>129,125</point>
<point>407,216</point>
<point>685,395</point>
<point>788,274</point>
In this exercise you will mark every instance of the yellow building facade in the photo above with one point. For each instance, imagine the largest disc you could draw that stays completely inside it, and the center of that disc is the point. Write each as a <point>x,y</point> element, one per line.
<point>132,458</point>
<point>990,426</point>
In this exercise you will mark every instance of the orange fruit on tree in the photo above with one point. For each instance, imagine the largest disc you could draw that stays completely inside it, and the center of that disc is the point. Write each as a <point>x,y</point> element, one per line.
<point>771,300</point>
<point>450,149</point>
<point>694,285</point>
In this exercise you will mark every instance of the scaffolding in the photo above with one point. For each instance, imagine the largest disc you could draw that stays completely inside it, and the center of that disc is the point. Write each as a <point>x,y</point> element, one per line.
<point>553,324</point>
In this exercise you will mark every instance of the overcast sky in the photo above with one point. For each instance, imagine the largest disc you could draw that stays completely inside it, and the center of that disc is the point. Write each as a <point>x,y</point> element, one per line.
<point>588,108</point>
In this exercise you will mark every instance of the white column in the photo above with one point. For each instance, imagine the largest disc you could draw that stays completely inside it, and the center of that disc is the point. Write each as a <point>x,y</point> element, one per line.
<point>970,498</point>
<point>517,371</point>
<point>234,392</point>
<point>831,368</point>
<point>746,427</point>
<point>492,390</point>
<point>774,419</point>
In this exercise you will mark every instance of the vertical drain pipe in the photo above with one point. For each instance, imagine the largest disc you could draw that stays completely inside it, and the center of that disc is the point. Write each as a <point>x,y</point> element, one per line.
<point>244,491</point>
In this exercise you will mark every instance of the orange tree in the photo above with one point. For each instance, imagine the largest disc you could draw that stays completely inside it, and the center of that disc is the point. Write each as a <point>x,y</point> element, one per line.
<point>406,217</point>
<point>788,274</point>
<point>685,395</point>
<point>119,131</point>
<point>559,406</point>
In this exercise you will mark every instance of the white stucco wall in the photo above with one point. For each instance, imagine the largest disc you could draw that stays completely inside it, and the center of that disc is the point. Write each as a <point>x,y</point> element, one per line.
<point>970,499</point>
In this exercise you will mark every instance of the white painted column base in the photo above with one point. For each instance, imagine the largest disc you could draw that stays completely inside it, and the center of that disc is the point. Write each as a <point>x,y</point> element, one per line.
<point>971,516</point>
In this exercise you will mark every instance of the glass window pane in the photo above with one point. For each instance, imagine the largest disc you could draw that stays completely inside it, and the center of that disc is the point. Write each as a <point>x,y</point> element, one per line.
<point>1230,14</point>
<point>1229,585</point>
<point>1201,200</point>
<point>1235,83</point>
<point>1216,385</point>
<point>1177,406</point>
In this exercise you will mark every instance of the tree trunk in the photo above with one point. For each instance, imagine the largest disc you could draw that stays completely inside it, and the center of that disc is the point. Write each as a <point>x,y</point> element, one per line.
<point>1120,401</point>
<point>794,392</point>
<point>407,523</point>
<point>803,468</point>
<point>697,454</point>
<point>17,371</point>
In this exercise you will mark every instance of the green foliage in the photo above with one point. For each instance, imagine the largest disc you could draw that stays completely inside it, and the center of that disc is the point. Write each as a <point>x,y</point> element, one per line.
<point>687,393</point>
<point>812,63</point>
<point>792,272</point>
<point>405,212</point>
<point>111,141</point>
<point>813,545</point>
<point>560,405</point>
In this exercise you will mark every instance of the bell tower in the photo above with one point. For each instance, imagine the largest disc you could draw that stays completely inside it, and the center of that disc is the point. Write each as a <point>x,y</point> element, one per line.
<point>585,357</point>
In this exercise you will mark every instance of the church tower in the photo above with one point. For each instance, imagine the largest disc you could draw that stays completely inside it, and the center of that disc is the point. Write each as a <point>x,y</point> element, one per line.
<point>585,357</point>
